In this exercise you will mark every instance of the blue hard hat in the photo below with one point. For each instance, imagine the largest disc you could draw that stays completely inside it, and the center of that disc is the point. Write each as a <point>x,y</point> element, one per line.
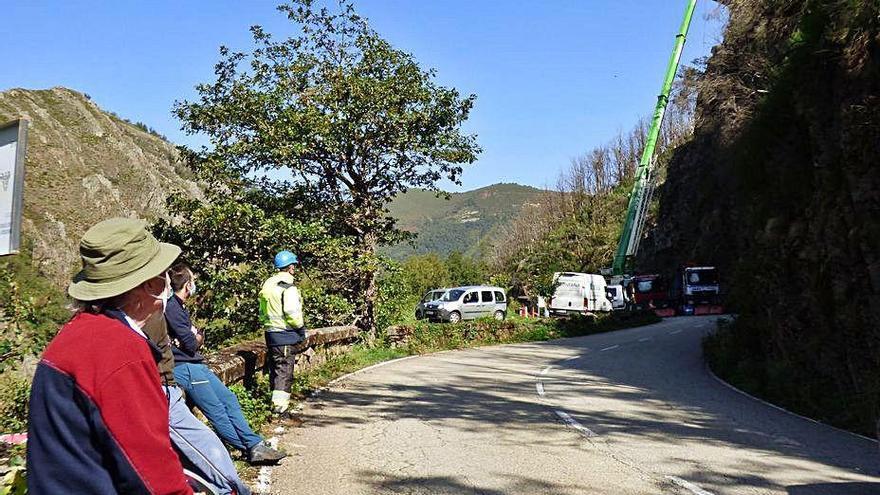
<point>284,259</point>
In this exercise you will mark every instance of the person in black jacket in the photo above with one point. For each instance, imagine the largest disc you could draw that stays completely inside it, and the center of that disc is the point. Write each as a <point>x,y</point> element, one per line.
<point>202,386</point>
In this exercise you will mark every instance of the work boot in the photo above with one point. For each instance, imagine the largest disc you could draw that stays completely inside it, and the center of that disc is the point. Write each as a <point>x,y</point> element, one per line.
<point>261,453</point>
<point>280,401</point>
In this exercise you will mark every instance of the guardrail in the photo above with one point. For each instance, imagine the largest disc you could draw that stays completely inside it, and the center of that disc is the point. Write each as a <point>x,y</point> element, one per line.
<point>239,362</point>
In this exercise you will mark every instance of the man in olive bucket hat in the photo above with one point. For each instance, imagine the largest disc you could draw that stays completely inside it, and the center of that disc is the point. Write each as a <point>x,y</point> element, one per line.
<point>99,415</point>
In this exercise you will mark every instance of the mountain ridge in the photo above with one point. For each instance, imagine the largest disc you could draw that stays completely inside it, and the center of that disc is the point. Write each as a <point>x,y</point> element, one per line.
<point>462,223</point>
<point>85,163</point>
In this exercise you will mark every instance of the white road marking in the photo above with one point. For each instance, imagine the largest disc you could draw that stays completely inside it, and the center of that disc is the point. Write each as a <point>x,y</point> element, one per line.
<point>368,368</point>
<point>646,339</point>
<point>264,480</point>
<point>539,386</point>
<point>696,490</point>
<point>573,358</point>
<point>574,424</point>
<point>674,332</point>
<point>609,348</point>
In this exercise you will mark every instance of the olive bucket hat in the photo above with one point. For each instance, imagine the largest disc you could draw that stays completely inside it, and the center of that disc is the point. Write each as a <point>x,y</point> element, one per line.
<point>119,254</point>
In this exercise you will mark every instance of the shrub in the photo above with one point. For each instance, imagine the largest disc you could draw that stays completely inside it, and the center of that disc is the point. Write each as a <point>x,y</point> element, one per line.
<point>255,399</point>
<point>14,394</point>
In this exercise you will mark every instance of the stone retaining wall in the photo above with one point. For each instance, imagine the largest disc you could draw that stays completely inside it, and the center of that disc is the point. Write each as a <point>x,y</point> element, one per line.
<point>239,362</point>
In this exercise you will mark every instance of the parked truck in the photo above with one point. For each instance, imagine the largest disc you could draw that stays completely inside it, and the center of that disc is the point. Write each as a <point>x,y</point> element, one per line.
<point>694,290</point>
<point>650,292</point>
<point>698,291</point>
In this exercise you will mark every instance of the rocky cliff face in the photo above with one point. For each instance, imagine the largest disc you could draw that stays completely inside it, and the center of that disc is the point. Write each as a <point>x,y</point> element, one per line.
<point>780,188</point>
<point>84,165</point>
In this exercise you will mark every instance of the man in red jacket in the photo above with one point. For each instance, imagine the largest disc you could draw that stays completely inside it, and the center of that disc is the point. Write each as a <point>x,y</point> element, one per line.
<point>98,420</point>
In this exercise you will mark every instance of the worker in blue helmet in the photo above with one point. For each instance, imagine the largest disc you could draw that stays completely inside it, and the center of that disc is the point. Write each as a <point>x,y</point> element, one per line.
<point>281,313</point>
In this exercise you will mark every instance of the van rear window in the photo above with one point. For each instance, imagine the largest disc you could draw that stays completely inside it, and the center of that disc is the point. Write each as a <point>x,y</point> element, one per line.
<point>499,296</point>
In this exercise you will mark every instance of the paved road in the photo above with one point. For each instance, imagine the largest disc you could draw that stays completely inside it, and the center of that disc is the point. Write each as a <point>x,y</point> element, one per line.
<point>629,412</point>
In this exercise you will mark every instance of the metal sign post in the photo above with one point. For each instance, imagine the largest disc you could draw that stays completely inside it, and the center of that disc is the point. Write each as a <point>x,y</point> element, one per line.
<point>13,147</point>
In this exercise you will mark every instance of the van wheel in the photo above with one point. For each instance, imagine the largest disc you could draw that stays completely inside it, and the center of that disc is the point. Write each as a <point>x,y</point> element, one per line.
<point>454,317</point>
<point>499,315</point>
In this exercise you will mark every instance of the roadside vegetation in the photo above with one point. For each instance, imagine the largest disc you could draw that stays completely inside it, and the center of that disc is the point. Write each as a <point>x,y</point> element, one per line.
<point>30,314</point>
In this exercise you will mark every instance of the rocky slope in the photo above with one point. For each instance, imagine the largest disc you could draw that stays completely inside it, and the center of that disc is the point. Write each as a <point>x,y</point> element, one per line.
<point>85,164</point>
<point>780,188</point>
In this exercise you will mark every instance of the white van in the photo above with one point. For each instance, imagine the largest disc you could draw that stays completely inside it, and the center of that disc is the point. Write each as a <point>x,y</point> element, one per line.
<point>617,296</point>
<point>579,293</point>
<point>468,303</point>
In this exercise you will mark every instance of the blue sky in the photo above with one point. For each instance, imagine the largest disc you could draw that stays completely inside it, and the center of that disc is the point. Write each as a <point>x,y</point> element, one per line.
<point>553,78</point>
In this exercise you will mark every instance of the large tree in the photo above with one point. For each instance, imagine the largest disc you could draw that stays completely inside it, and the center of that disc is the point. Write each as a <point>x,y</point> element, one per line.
<point>332,123</point>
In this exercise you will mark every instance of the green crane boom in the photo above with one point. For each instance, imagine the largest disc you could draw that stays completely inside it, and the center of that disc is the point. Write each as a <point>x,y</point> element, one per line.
<point>643,186</point>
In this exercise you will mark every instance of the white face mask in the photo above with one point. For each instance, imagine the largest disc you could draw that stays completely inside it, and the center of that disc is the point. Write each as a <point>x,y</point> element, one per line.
<point>166,293</point>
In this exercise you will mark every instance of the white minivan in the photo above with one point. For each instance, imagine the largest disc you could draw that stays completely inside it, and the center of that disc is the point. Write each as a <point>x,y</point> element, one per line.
<point>468,303</point>
<point>579,293</point>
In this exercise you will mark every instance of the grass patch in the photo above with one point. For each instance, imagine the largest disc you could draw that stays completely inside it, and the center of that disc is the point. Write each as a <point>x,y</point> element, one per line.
<point>360,357</point>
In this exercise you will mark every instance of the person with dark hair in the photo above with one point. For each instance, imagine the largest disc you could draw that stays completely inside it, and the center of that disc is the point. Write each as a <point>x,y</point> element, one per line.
<point>197,443</point>
<point>98,416</point>
<point>203,388</point>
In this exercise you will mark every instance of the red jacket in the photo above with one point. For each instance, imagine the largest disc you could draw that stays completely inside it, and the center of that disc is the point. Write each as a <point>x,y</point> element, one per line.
<point>98,420</point>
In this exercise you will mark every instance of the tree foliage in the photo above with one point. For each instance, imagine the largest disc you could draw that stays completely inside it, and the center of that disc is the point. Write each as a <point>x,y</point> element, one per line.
<point>230,243</point>
<point>310,138</point>
<point>429,271</point>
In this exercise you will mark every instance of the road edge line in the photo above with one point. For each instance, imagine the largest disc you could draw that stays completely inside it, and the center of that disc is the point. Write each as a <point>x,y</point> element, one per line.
<point>780,408</point>
<point>573,423</point>
<point>696,490</point>
<point>368,368</point>
<point>264,478</point>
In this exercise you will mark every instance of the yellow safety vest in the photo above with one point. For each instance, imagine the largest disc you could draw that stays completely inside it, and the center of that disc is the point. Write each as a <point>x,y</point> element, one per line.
<point>281,304</point>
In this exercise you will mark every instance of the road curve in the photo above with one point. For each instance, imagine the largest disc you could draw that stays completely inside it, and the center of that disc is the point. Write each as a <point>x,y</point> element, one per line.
<point>628,412</point>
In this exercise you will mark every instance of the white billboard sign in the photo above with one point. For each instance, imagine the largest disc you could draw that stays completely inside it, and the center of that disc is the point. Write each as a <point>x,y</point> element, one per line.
<point>13,145</point>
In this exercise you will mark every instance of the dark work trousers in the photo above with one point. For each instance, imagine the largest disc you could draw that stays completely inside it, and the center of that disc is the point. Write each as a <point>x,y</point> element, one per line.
<point>281,362</point>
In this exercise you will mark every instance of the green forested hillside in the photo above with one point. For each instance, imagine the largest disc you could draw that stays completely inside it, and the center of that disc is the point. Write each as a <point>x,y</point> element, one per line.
<point>461,222</point>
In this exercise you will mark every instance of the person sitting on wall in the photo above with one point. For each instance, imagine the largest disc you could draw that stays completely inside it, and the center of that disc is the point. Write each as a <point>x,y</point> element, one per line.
<point>203,388</point>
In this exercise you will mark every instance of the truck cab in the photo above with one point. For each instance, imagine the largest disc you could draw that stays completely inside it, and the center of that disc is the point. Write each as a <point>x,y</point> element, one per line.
<point>649,292</point>
<point>700,290</point>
